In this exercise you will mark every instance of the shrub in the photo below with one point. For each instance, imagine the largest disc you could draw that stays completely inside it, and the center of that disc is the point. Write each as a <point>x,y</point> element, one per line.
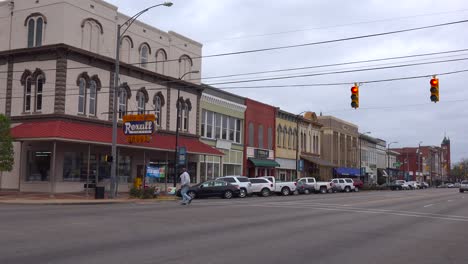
<point>147,193</point>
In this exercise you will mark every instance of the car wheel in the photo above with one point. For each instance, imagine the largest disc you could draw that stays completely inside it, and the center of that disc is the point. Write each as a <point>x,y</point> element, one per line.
<point>356,189</point>
<point>285,191</point>
<point>243,193</point>
<point>462,191</point>
<point>191,194</point>
<point>347,189</point>
<point>323,190</point>
<point>227,194</point>
<point>306,191</point>
<point>265,192</point>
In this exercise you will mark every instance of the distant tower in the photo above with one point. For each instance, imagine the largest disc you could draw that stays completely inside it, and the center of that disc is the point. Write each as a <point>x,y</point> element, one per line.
<point>446,155</point>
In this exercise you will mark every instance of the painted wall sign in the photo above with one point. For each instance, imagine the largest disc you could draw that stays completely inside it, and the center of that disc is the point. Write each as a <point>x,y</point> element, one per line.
<point>138,128</point>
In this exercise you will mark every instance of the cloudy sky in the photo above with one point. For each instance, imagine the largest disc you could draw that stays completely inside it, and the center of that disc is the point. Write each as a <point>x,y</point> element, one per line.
<point>395,111</point>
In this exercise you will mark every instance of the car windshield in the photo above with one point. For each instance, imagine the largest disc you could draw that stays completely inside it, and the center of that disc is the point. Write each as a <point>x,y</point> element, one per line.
<point>243,179</point>
<point>464,182</point>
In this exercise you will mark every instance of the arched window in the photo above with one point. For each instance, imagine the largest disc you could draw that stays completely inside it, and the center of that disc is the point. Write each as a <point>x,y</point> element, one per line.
<point>161,58</point>
<point>290,142</point>
<point>125,49</point>
<point>278,136</point>
<point>39,89</point>
<point>81,95</point>
<point>260,136</point>
<point>141,102</point>
<point>185,66</point>
<point>285,136</point>
<point>184,118</point>
<point>92,97</point>
<point>251,134</point>
<point>295,139</point>
<point>27,94</point>
<point>144,56</point>
<point>123,99</point>
<point>158,101</point>
<point>91,34</point>
<point>35,23</point>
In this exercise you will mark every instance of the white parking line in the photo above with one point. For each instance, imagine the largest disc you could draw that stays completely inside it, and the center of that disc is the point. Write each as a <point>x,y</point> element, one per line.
<point>449,201</point>
<point>429,205</point>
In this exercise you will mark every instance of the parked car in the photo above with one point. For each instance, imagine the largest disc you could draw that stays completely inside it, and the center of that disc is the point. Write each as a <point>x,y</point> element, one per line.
<point>357,184</point>
<point>322,187</point>
<point>344,184</point>
<point>304,188</point>
<point>450,185</point>
<point>424,185</point>
<point>414,185</point>
<point>262,187</point>
<point>399,185</point>
<point>280,187</point>
<point>213,189</point>
<point>463,186</point>
<point>241,181</point>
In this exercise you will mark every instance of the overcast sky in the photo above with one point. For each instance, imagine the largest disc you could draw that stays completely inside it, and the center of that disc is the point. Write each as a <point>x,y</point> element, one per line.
<point>394,111</point>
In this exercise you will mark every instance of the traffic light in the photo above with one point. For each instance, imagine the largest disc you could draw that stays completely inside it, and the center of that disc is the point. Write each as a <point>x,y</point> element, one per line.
<point>434,89</point>
<point>108,158</point>
<point>355,96</point>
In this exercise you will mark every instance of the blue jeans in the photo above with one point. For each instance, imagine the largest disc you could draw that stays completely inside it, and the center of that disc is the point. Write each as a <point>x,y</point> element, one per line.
<point>185,196</point>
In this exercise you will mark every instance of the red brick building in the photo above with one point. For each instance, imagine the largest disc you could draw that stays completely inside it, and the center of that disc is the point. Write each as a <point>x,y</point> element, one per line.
<point>427,163</point>
<point>259,143</point>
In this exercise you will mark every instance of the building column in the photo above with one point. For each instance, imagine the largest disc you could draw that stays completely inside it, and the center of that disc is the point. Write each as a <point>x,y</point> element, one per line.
<point>52,177</point>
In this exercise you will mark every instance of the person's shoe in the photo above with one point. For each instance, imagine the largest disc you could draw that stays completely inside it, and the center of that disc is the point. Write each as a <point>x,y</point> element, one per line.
<point>183,203</point>
<point>190,201</point>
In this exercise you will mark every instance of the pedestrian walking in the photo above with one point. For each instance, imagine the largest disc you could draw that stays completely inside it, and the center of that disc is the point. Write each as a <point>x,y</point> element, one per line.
<point>185,185</point>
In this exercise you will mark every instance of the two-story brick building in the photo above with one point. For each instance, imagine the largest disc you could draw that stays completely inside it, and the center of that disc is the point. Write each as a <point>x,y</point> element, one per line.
<point>56,85</point>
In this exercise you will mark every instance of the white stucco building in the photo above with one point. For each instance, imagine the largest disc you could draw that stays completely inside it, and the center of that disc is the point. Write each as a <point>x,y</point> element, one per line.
<point>56,83</point>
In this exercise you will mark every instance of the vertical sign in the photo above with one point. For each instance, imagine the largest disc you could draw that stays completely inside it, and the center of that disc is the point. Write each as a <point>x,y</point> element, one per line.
<point>182,156</point>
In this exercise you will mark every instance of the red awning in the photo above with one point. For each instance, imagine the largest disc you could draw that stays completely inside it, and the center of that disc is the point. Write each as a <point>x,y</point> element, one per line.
<point>100,134</point>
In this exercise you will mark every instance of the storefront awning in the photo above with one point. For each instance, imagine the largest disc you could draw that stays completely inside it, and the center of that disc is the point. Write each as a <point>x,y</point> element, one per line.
<point>264,163</point>
<point>351,172</point>
<point>79,132</point>
<point>318,161</point>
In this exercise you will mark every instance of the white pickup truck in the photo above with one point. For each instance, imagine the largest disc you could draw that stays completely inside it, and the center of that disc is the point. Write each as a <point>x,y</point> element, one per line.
<point>284,188</point>
<point>322,187</point>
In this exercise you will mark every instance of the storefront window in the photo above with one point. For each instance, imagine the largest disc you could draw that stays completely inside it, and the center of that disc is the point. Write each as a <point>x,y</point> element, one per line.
<point>74,168</point>
<point>38,168</point>
<point>231,169</point>
<point>125,169</point>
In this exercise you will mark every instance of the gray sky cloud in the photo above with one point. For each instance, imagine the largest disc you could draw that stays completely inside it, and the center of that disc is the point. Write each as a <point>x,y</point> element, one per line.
<point>233,25</point>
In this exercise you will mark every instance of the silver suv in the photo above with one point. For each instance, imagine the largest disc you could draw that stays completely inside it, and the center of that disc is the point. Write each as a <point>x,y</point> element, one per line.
<point>344,184</point>
<point>241,181</point>
<point>464,186</point>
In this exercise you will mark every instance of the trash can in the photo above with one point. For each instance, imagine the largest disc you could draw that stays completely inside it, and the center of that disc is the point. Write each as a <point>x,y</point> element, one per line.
<point>99,192</point>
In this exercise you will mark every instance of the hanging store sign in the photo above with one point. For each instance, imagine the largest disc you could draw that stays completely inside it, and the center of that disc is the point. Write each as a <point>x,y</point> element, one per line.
<point>139,128</point>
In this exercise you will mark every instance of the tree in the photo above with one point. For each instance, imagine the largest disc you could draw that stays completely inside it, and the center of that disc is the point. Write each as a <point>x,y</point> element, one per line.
<point>460,169</point>
<point>6,145</point>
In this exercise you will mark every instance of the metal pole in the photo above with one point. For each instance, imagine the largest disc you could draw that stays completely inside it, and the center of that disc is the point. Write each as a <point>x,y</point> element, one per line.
<point>54,171</point>
<point>178,120</point>
<point>87,170</point>
<point>297,147</point>
<point>114,116</point>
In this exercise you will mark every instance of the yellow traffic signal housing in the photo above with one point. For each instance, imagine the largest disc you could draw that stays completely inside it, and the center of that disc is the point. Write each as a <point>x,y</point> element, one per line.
<point>434,89</point>
<point>355,96</point>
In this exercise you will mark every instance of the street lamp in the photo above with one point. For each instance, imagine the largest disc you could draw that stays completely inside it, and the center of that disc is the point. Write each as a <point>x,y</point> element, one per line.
<point>388,160</point>
<point>360,151</point>
<point>127,23</point>
<point>178,121</point>
<point>419,157</point>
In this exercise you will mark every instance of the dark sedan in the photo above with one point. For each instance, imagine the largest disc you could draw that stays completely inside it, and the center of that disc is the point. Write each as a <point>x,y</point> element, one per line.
<point>304,188</point>
<point>213,189</point>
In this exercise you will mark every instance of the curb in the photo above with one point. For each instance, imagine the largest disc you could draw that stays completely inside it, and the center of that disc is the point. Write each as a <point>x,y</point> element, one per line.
<point>84,202</point>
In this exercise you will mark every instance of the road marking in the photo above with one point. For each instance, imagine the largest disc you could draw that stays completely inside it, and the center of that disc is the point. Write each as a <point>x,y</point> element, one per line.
<point>429,205</point>
<point>448,218</point>
<point>449,201</point>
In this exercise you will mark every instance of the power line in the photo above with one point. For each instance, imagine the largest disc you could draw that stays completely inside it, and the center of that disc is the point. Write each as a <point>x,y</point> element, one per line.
<point>335,26</point>
<point>294,85</point>
<point>334,72</point>
<point>338,64</point>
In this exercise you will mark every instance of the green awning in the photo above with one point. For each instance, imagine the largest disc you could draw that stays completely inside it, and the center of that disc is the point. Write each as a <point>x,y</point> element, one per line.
<point>264,163</point>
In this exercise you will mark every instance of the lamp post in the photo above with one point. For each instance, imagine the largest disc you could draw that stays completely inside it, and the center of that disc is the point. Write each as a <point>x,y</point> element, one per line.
<point>178,121</point>
<point>388,160</point>
<point>419,158</point>
<point>120,34</point>
<point>360,151</point>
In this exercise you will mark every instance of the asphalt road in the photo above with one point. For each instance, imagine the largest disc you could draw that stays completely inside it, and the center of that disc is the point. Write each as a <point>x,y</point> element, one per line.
<point>424,226</point>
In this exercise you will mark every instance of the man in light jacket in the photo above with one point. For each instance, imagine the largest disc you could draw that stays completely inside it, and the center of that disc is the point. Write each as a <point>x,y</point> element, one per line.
<point>185,185</point>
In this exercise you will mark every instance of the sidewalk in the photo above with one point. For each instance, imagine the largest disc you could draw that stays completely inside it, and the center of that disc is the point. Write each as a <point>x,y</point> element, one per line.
<point>14,197</point>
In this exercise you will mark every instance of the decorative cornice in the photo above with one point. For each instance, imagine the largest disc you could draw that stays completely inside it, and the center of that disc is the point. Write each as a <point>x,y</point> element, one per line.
<point>223,103</point>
